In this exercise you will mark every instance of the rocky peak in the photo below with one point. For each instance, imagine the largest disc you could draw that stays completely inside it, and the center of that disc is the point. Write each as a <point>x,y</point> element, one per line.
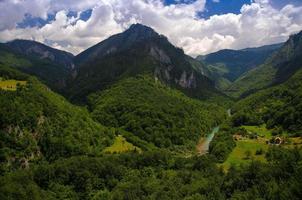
<point>140,32</point>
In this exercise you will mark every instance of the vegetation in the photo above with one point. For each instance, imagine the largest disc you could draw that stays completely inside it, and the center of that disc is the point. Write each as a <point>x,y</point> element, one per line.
<point>135,136</point>
<point>38,124</point>
<point>10,84</point>
<point>226,66</point>
<point>139,51</point>
<point>154,112</point>
<point>277,69</point>
<point>246,151</point>
<point>157,175</point>
<point>222,144</point>
<point>278,107</point>
<point>261,131</point>
<point>121,145</point>
<point>50,65</point>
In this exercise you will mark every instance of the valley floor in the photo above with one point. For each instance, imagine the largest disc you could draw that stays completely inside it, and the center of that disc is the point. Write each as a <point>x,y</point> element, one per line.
<point>255,145</point>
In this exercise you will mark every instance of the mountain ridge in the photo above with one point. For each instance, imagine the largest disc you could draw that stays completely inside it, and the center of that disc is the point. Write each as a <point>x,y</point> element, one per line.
<point>138,50</point>
<point>275,70</point>
<point>227,65</point>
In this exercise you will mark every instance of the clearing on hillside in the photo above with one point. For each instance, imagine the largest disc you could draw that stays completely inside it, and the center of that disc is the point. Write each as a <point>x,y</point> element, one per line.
<point>121,145</point>
<point>261,131</point>
<point>11,84</point>
<point>240,153</point>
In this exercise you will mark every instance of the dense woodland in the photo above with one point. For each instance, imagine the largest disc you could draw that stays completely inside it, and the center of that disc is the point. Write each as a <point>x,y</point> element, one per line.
<point>157,175</point>
<point>278,107</point>
<point>153,112</point>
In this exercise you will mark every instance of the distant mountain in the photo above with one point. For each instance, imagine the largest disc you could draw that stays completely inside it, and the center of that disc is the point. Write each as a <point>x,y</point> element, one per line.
<point>276,69</point>
<point>51,65</point>
<point>227,65</point>
<point>138,50</point>
<point>40,51</point>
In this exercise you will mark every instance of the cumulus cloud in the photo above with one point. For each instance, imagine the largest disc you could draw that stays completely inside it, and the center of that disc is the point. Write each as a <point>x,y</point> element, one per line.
<point>257,24</point>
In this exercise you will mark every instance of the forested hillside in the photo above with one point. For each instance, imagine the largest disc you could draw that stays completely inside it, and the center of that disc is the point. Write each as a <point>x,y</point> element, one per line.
<point>154,112</point>
<point>279,106</point>
<point>51,66</point>
<point>37,124</point>
<point>275,70</point>
<point>225,66</point>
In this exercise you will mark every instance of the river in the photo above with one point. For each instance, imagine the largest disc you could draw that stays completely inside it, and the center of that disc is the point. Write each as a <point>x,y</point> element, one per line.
<point>204,142</point>
<point>229,112</point>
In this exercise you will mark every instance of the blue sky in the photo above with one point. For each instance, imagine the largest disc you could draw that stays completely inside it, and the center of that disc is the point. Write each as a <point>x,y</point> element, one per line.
<point>197,26</point>
<point>212,7</point>
<point>218,7</point>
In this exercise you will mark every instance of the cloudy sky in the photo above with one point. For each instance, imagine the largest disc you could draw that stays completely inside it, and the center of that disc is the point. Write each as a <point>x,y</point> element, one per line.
<point>198,26</point>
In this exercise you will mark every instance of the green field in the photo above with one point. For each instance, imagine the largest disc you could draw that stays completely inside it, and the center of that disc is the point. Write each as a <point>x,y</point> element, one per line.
<point>121,145</point>
<point>10,84</point>
<point>262,131</point>
<point>238,155</point>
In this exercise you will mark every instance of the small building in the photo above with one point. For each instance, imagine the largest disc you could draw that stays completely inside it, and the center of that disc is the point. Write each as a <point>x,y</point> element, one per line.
<point>237,137</point>
<point>278,141</point>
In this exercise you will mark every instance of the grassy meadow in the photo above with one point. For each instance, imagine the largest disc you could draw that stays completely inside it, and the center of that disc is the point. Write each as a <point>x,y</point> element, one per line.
<point>121,145</point>
<point>261,131</point>
<point>239,155</point>
<point>10,84</point>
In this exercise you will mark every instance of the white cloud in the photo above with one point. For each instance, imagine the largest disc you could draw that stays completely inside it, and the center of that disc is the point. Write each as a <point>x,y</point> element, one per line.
<point>256,25</point>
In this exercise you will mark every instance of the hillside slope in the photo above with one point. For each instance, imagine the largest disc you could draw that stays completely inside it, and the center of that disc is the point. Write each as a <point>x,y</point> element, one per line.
<point>155,113</point>
<point>225,66</point>
<point>37,124</point>
<point>279,106</point>
<point>52,66</point>
<point>276,69</point>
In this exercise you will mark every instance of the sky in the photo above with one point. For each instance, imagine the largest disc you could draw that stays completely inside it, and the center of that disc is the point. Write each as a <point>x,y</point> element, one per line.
<point>197,26</point>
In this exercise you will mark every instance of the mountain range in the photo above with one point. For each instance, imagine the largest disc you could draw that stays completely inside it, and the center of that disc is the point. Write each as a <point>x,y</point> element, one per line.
<point>125,119</point>
<point>227,65</point>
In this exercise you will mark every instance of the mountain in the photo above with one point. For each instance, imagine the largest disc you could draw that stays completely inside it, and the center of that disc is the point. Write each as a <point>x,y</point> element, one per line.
<point>40,51</point>
<point>51,65</point>
<point>225,66</point>
<point>142,72</point>
<point>138,81</point>
<point>144,77</point>
<point>139,50</point>
<point>275,70</point>
<point>117,43</point>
